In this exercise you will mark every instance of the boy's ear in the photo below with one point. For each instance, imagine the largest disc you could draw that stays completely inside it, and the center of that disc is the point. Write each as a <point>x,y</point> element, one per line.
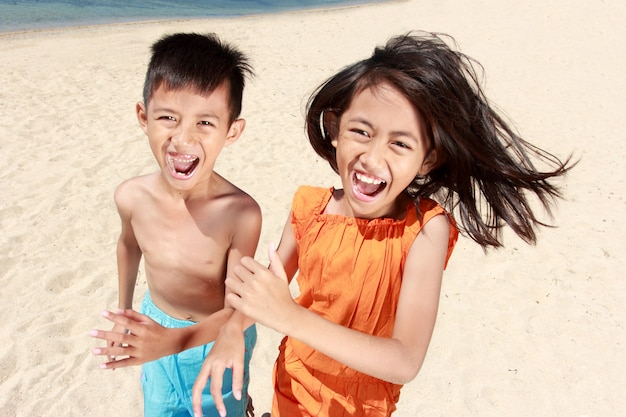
<point>330,124</point>
<point>142,116</point>
<point>234,131</point>
<point>429,163</point>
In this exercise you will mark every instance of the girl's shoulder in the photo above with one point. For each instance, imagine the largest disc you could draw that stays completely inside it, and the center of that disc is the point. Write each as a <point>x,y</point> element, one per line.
<point>310,199</point>
<point>427,209</point>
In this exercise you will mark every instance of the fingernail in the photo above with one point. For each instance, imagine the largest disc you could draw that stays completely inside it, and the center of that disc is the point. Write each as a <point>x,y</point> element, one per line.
<point>93,333</point>
<point>96,351</point>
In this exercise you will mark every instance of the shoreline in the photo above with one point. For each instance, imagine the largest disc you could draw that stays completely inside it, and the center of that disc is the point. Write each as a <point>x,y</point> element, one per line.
<point>155,20</point>
<point>522,331</point>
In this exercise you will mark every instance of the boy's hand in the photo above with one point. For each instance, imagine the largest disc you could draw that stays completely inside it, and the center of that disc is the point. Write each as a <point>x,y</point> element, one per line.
<point>116,329</point>
<point>227,352</point>
<point>135,337</point>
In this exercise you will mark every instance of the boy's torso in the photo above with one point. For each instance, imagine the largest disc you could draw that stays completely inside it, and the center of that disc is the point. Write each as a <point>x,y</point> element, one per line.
<point>185,245</point>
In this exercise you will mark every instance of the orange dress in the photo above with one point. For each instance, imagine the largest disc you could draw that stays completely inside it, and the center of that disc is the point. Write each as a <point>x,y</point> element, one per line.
<point>350,272</point>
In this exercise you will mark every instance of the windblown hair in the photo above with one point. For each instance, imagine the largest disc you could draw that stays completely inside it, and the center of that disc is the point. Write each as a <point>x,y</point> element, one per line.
<point>200,62</point>
<point>484,172</point>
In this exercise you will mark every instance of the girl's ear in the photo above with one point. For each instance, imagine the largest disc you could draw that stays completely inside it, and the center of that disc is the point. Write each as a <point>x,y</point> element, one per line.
<point>429,163</point>
<point>234,131</point>
<point>142,116</point>
<point>330,126</point>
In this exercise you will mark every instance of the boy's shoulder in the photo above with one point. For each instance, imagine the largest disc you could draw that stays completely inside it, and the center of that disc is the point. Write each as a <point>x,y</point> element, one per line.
<point>134,183</point>
<point>236,208</point>
<point>238,199</point>
<point>134,188</point>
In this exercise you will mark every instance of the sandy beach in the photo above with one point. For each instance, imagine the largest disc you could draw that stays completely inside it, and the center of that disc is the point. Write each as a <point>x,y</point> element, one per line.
<point>523,331</point>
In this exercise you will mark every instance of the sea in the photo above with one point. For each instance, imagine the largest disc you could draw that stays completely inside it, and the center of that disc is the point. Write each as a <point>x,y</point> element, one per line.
<point>46,14</point>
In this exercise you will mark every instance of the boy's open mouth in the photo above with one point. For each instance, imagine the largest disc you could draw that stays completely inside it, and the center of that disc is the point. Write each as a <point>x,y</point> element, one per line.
<point>182,166</point>
<point>367,185</point>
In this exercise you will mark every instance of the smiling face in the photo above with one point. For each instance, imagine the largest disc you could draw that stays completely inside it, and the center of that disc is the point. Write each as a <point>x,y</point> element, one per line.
<point>187,131</point>
<point>381,144</point>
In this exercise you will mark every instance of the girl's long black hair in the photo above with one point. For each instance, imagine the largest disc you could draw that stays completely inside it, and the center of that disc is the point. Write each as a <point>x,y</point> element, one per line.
<point>485,173</point>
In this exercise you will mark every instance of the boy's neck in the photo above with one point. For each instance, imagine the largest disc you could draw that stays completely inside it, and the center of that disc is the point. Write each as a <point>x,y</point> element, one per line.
<point>203,190</point>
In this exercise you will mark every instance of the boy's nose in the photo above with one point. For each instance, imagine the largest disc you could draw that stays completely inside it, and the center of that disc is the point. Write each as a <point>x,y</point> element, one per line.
<point>183,137</point>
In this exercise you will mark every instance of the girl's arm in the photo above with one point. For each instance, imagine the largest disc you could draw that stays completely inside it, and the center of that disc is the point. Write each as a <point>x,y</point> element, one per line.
<point>265,296</point>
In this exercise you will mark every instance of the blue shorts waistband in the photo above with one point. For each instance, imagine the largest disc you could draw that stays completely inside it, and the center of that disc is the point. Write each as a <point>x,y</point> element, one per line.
<point>150,309</point>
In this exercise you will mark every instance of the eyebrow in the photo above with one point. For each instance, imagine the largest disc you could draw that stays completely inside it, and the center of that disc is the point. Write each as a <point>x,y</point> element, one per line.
<point>208,116</point>
<point>201,116</point>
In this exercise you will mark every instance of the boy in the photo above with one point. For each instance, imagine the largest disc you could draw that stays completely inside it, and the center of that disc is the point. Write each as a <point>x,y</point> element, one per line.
<point>190,224</point>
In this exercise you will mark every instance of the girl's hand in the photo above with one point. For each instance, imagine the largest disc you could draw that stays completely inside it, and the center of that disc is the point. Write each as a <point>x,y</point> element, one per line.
<point>227,353</point>
<point>135,337</point>
<point>261,293</point>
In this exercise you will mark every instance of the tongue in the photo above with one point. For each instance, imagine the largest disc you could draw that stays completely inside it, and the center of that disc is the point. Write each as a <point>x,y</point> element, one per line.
<point>183,166</point>
<point>367,189</point>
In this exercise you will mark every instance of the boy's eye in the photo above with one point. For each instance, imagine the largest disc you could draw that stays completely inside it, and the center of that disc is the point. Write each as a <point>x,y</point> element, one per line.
<point>206,123</point>
<point>401,145</point>
<point>167,118</point>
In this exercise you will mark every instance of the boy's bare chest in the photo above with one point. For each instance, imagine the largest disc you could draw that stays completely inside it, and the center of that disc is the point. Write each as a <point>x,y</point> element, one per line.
<point>193,244</point>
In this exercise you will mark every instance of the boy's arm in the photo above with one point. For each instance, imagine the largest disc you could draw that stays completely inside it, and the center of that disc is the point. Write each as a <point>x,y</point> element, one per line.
<point>228,350</point>
<point>146,340</point>
<point>128,254</point>
<point>128,258</point>
<point>244,241</point>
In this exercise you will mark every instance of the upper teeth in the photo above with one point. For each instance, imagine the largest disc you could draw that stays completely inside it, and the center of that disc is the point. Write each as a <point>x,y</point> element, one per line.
<point>368,179</point>
<point>184,158</point>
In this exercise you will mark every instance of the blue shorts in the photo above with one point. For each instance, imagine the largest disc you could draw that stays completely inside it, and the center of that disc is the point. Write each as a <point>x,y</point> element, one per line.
<point>167,382</point>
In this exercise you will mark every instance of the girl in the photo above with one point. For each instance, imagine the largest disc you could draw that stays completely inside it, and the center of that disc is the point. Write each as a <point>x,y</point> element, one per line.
<point>404,128</point>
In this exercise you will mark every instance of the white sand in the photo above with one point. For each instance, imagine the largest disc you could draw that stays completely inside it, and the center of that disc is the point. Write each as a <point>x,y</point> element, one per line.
<point>525,331</point>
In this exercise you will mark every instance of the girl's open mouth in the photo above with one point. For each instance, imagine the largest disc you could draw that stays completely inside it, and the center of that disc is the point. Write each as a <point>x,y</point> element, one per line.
<point>367,185</point>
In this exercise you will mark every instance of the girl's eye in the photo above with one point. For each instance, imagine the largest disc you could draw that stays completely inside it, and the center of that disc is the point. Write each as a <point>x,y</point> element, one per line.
<point>360,132</point>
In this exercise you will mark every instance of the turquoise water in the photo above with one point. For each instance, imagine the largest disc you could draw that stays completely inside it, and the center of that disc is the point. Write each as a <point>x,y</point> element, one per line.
<point>44,14</point>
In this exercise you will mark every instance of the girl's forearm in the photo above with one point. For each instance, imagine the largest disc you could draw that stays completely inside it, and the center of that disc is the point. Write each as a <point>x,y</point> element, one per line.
<point>384,358</point>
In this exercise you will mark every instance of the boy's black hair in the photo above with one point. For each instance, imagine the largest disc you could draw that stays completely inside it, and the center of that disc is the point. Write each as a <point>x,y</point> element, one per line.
<point>484,171</point>
<point>201,62</point>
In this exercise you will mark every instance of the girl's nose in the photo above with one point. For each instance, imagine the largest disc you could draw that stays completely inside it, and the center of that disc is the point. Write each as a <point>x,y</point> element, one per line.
<point>373,154</point>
